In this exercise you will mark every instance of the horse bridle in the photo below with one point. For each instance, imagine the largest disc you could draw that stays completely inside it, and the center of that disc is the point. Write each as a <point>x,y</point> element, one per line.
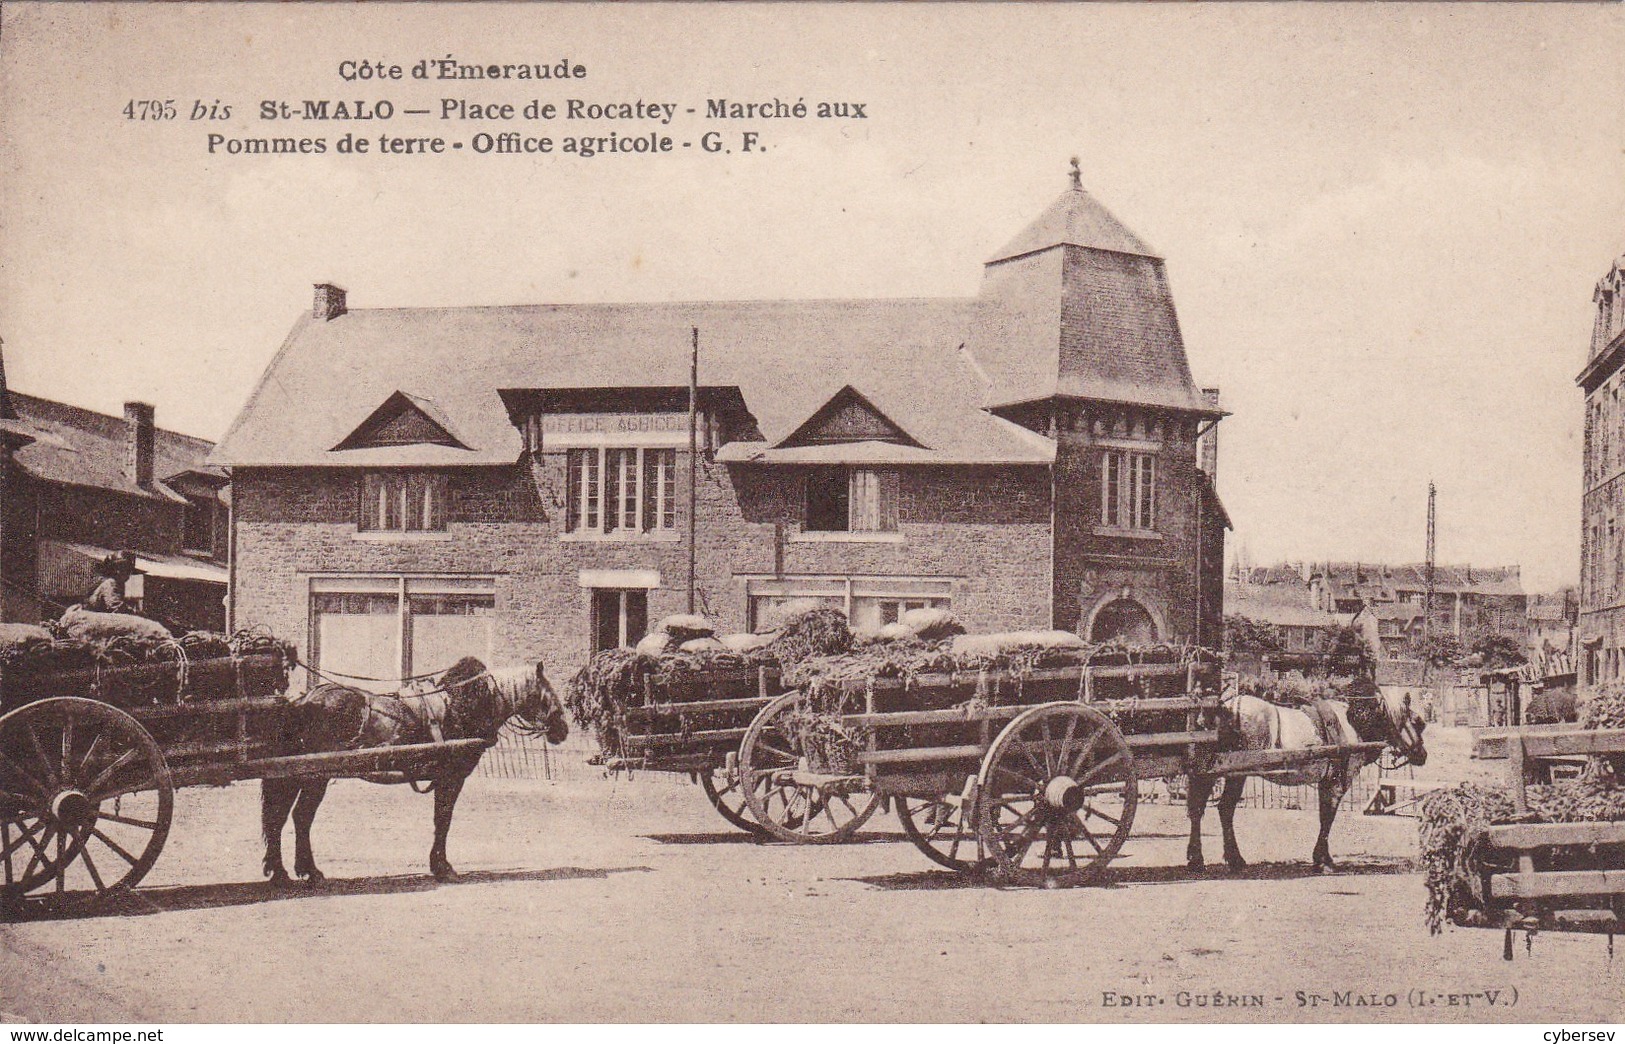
<point>1398,751</point>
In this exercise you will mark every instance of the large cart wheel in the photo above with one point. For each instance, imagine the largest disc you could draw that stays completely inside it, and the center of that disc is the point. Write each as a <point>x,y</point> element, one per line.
<point>85,801</point>
<point>723,789</point>
<point>790,793</point>
<point>944,828</point>
<point>1057,796</point>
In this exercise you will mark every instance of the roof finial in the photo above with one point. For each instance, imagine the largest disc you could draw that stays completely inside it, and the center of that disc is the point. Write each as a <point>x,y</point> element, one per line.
<point>1077,176</point>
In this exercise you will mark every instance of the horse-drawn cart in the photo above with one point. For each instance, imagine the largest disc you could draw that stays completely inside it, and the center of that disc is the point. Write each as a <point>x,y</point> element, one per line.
<point>1032,774</point>
<point>1551,876</point>
<point>87,786</point>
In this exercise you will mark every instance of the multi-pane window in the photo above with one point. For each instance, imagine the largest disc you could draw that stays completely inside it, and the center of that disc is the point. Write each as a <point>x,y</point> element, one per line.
<point>1128,490</point>
<point>613,490</point>
<point>403,502</point>
<point>859,500</point>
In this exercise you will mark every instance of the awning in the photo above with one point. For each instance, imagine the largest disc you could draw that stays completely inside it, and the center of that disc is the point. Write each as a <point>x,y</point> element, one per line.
<point>79,561</point>
<point>182,569</point>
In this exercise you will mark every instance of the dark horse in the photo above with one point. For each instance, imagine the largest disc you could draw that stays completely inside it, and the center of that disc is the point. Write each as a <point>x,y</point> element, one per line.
<point>1370,715</point>
<point>468,702</point>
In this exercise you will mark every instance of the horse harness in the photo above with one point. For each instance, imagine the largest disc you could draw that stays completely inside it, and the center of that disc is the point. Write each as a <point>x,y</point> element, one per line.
<point>409,713</point>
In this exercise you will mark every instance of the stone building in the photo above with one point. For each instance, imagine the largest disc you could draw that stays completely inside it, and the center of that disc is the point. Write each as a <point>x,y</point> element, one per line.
<point>1601,630</point>
<point>412,484</point>
<point>77,485</point>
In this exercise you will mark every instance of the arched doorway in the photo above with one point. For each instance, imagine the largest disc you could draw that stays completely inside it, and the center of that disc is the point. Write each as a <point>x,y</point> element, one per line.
<point>1123,620</point>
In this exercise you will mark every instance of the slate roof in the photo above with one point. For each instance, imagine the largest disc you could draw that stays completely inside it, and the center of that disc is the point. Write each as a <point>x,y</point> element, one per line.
<point>81,447</point>
<point>1086,312</point>
<point>933,366</point>
<point>1075,219</point>
<point>1279,606</point>
<point>786,357</point>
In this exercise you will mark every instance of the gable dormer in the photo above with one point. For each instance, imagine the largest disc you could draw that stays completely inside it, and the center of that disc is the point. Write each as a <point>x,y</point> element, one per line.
<point>848,416</point>
<point>403,420</point>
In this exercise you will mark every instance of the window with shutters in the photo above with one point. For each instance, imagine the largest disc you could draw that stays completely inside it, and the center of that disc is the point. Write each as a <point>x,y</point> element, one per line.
<point>621,491</point>
<point>851,500</point>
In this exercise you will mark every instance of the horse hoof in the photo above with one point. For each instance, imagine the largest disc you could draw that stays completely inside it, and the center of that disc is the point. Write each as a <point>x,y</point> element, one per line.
<point>446,875</point>
<point>278,878</point>
<point>1237,863</point>
<point>314,876</point>
<point>1196,865</point>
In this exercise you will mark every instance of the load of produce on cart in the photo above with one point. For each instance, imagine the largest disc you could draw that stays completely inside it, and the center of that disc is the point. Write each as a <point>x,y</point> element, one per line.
<point>131,661</point>
<point>970,673</point>
<point>680,662</point>
<point>1465,844</point>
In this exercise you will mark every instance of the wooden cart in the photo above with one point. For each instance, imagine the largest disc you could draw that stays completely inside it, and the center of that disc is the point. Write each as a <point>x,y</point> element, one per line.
<point>1033,776</point>
<point>87,788</point>
<point>1552,876</point>
<point>692,722</point>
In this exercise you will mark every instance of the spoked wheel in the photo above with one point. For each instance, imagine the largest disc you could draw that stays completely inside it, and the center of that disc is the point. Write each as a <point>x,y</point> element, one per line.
<point>1057,796</point>
<point>790,787</point>
<point>85,801</point>
<point>943,828</point>
<point>723,789</point>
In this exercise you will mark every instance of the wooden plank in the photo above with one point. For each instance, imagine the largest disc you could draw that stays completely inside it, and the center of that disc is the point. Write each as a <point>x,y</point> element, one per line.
<point>328,763</point>
<point>667,710</point>
<point>678,738</point>
<point>1533,835</point>
<point>159,671</point>
<point>193,750</point>
<point>717,677</point>
<point>917,784</point>
<point>1167,739</point>
<point>1518,776</point>
<point>953,715</point>
<point>913,754</point>
<point>969,679</point>
<point>1555,883</point>
<point>1546,742</point>
<point>205,708</point>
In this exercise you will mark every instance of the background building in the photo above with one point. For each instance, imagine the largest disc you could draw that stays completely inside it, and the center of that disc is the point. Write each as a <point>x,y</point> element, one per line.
<point>1602,505</point>
<point>79,485</point>
<point>1469,602</point>
<point>412,484</point>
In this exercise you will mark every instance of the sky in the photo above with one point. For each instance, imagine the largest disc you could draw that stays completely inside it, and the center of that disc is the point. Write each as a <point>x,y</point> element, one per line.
<point>1382,223</point>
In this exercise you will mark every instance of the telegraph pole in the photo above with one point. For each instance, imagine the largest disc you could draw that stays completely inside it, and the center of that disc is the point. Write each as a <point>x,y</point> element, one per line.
<point>1427,618</point>
<point>693,454</point>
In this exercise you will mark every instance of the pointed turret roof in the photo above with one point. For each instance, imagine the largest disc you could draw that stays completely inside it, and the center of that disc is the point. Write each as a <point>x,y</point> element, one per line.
<point>1075,219</point>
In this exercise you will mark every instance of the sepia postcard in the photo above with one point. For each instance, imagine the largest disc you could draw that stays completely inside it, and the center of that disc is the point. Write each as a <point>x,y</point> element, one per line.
<point>836,513</point>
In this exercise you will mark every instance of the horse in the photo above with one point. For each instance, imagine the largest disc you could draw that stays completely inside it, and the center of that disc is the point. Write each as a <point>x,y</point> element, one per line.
<point>467,702</point>
<point>1248,723</point>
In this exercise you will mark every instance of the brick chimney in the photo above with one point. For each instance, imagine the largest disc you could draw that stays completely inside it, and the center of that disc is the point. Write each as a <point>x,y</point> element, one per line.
<point>329,302</point>
<point>1209,460</point>
<point>139,437</point>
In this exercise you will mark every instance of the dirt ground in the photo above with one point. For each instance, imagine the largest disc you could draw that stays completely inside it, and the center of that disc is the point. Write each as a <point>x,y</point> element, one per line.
<point>633,901</point>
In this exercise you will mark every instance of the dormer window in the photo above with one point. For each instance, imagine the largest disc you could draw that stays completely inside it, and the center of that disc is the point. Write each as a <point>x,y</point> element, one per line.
<point>621,491</point>
<point>403,502</point>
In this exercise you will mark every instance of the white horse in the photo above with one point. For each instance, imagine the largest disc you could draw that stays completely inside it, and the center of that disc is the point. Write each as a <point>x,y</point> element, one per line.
<point>1251,724</point>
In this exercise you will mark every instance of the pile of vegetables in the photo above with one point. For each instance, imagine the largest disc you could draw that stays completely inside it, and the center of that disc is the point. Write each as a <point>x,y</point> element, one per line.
<point>136,666</point>
<point>677,646</point>
<point>1457,862</point>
